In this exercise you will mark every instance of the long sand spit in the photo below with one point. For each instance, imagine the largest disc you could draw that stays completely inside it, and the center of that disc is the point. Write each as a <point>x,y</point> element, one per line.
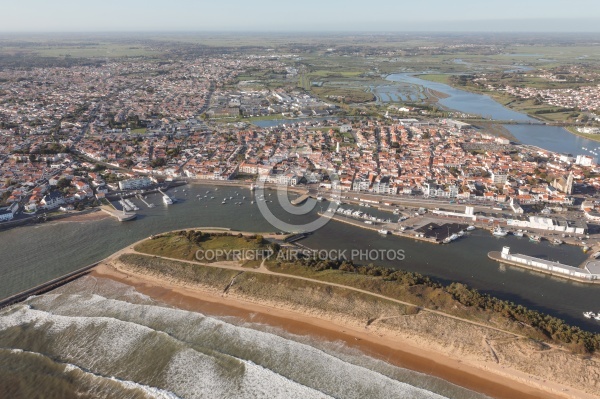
<point>485,359</point>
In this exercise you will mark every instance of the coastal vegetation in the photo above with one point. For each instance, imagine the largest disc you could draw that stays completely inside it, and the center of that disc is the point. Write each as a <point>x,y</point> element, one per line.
<point>185,244</point>
<point>268,288</point>
<point>455,299</point>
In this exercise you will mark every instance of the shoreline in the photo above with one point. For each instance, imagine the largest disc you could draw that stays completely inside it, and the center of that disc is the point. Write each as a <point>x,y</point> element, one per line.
<point>393,351</point>
<point>403,348</point>
<point>500,100</point>
<point>591,137</point>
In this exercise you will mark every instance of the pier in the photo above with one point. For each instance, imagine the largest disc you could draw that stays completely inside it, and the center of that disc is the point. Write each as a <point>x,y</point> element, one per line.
<point>300,199</point>
<point>120,216</point>
<point>149,205</point>
<point>47,286</point>
<point>556,269</point>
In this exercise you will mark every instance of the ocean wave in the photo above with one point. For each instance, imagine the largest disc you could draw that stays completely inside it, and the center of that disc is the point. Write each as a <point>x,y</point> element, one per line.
<point>200,335</point>
<point>105,328</point>
<point>58,379</point>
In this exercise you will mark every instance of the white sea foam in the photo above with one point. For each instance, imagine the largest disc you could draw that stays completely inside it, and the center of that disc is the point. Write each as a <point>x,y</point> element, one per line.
<point>202,356</point>
<point>301,365</point>
<point>151,392</point>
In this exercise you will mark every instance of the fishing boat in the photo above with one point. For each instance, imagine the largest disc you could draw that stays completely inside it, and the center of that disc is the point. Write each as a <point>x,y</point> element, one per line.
<point>471,228</point>
<point>499,232</point>
<point>589,315</point>
<point>383,232</point>
<point>535,238</point>
<point>518,233</point>
<point>556,241</point>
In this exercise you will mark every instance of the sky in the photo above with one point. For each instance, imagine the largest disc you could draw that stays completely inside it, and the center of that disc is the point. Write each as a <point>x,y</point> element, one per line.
<point>304,15</point>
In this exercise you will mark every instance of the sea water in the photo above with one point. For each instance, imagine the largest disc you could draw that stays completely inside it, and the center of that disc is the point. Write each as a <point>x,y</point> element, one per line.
<point>98,338</point>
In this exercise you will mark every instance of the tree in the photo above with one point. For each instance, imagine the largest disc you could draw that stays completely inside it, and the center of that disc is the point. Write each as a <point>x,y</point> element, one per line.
<point>63,183</point>
<point>158,162</point>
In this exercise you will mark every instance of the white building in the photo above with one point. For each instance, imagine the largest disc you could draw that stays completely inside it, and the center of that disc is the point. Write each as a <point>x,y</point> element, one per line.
<point>52,200</point>
<point>360,185</point>
<point>135,184</point>
<point>498,178</point>
<point>588,130</point>
<point>547,265</point>
<point>541,223</point>
<point>585,160</point>
<point>345,128</point>
<point>469,213</point>
<point>284,179</point>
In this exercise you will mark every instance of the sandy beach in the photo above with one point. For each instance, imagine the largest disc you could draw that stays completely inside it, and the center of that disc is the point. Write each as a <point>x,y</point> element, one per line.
<point>497,382</point>
<point>83,217</point>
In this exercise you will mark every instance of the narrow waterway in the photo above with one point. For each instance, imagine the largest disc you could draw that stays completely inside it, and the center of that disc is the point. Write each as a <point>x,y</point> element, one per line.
<point>34,254</point>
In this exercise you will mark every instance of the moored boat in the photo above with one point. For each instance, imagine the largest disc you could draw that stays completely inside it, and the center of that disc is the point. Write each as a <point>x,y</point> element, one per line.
<point>585,249</point>
<point>535,238</point>
<point>499,232</point>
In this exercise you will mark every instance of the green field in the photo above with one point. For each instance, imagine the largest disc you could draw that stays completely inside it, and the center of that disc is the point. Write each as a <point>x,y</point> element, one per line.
<point>440,78</point>
<point>185,245</point>
<point>80,50</point>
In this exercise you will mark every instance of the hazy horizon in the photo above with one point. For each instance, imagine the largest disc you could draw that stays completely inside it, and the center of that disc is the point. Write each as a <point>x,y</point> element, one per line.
<point>65,16</point>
